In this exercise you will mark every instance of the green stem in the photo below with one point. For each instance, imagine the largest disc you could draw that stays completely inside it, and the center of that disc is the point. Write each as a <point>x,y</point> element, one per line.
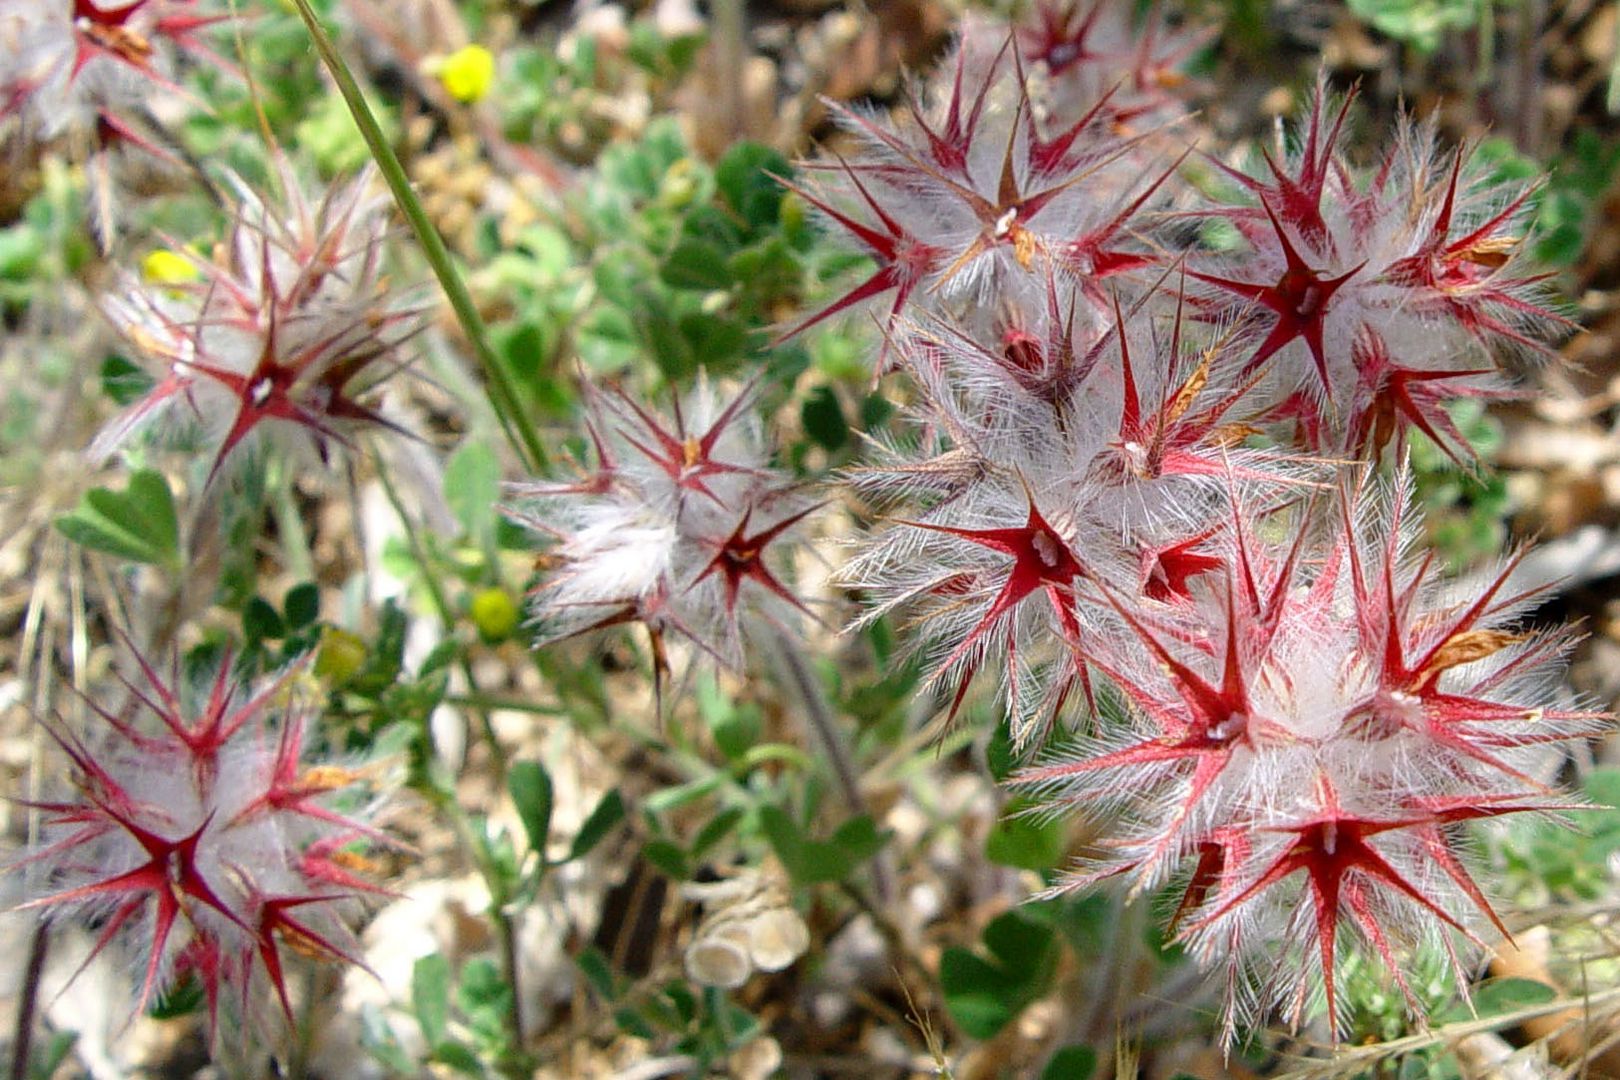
<point>520,430</point>
<point>447,616</point>
<point>290,527</point>
<point>510,1064</point>
<point>505,924</point>
<point>505,704</point>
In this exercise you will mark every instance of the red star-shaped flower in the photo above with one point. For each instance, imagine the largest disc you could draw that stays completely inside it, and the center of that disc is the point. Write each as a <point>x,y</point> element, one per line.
<point>1299,300</point>
<point>1041,561</point>
<point>170,879</point>
<point>1346,872</point>
<point>688,460</point>
<point>740,557</point>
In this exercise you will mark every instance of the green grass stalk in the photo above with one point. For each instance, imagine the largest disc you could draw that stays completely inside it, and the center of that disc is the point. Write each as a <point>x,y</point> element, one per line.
<point>515,422</point>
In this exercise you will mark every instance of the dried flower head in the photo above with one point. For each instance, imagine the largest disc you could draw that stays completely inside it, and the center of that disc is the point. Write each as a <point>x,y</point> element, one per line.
<point>750,925</point>
<point>1064,455</point>
<point>680,525</point>
<point>1300,741</point>
<point>78,66</point>
<point>200,838</point>
<point>283,336</point>
<point>1376,296</point>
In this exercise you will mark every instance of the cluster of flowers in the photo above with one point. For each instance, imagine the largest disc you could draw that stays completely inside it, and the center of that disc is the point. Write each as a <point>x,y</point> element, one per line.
<point>281,335</point>
<point>1123,491</point>
<point>1116,415</point>
<point>197,834</point>
<point>674,527</point>
<point>1298,737</point>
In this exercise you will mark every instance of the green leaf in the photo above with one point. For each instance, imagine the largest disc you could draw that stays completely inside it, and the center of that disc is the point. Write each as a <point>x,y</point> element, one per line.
<point>593,964</point>
<point>472,487</point>
<point>744,181</point>
<point>714,226</point>
<point>696,264</point>
<point>430,996</point>
<point>633,1024</point>
<point>1000,757</point>
<point>1087,921</point>
<point>975,993</point>
<point>531,792</point>
<point>767,270</point>
<point>138,523</point>
<point>598,823</point>
<point>670,349</point>
<point>261,621</point>
<point>523,349</point>
<point>672,798</point>
<point>859,838</point>
<point>1419,23</point>
<point>1561,245</point>
<point>681,51</point>
<point>813,861</point>
<point>1499,996</point>
<point>302,605</point>
<point>123,381</point>
<point>1075,1062</point>
<point>823,418</point>
<point>483,997</point>
<point>21,249</point>
<point>735,728</point>
<point>1019,941</point>
<point>684,1001</point>
<point>668,857</point>
<point>716,829</point>
<point>875,410</point>
<point>1025,842</point>
<point>984,993</point>
<point>458,1057</point>
<point>719,341</point>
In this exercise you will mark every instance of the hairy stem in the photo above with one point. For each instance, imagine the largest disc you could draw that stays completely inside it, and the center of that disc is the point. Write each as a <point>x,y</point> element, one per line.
<point>826,732</point>
<point>821,721</point>
<point>22,1042</point>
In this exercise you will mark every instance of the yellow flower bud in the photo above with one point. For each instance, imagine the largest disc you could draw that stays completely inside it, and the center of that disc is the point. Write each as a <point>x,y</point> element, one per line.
<point>468,73</point>
<point>495,614</point>
<point>792,213</point>
<point>340,657</point>
<point>165,267</point>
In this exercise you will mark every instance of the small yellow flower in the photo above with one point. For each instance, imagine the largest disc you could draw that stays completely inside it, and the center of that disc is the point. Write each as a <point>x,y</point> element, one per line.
<point>468,73</point>
<point>165,267</point>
